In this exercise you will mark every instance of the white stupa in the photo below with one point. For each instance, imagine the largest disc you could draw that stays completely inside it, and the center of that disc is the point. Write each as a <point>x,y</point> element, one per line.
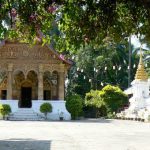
<point>140,101</point>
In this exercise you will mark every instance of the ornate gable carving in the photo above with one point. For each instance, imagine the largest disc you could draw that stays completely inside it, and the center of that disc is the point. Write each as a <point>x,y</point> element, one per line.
<point>24,51</point>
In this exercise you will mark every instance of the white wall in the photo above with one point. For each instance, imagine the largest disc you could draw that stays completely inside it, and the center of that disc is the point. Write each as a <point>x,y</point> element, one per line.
<point>13,104</point>
<point>58,107</point>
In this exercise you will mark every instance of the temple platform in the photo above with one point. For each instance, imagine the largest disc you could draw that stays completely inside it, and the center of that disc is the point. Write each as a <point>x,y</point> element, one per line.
<point>33,113</point>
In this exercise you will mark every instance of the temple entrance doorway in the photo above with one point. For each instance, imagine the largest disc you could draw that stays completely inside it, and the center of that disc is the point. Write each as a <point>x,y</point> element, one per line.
<point>26,97</point>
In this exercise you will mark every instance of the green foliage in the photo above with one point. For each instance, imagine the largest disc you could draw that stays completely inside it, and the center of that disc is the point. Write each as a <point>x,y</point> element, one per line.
<point>90,57</point>
<point>93,99</point>
<point>1,106</point>
<point>109,99</point>
<point>5,110</point>
<point>77,84</point>
<point>146,59</point>
<point>70,23</point>
<point>46,108</point>
<point>111,115</point>
<point>113,97</point>
<point>74,105</point>
<point>104,19</point>
<point>0,111</point>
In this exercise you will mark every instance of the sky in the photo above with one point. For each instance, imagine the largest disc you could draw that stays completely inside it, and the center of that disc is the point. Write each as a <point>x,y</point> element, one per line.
<point>135,41</point>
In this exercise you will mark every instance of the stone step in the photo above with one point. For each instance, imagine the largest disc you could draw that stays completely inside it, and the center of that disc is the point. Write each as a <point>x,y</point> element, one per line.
<point>25,116</point>
<point>26,119</point>
<point>25,110</point>
<point>24,113</point>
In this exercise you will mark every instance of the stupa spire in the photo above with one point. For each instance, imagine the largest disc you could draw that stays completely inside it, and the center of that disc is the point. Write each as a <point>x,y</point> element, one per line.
<point>141,74</point>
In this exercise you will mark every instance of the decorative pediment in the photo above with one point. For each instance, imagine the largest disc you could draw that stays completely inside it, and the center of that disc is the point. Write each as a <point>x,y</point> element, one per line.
<point>36,52</point>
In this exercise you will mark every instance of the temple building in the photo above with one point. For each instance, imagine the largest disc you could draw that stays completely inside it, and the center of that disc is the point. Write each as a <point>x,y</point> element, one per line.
<point>30,76</point>
<point>140,101</point>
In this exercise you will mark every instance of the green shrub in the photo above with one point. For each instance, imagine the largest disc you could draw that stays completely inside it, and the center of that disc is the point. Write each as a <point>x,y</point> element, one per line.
<point>113,97</point>
<point>107,101</point>
<point>1,116</point>
<point>5,110</point>
<point>93,99</point>
<point>1,106</point>
<point>46,108</point>
<point>111,115</point>
<point>74,105</point>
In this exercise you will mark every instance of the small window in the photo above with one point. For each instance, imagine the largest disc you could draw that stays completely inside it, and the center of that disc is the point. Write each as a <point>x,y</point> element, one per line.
<point>47,95</point>
<point>4,94</point>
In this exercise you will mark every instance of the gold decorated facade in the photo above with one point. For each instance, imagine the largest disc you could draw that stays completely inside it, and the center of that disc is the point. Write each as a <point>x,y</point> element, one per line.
<point>31,73</point>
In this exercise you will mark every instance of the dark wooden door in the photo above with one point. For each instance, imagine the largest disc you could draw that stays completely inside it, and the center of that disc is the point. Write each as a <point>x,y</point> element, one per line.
<point>26,97</point>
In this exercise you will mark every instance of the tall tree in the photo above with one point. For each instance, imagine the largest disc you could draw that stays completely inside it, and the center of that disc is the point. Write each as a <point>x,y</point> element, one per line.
<point>80,22</point>
<point>97,67</point>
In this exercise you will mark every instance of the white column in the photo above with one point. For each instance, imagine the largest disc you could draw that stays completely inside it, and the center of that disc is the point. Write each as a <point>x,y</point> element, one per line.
<point>40,83</point>
<point>9,82</point>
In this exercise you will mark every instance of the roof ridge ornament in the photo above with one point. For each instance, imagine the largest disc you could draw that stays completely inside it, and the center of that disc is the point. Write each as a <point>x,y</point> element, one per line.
<point>141,74</point>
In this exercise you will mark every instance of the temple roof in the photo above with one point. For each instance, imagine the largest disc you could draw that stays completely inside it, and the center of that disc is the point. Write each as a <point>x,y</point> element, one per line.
<point>141,74</point>
<point>53,51</point>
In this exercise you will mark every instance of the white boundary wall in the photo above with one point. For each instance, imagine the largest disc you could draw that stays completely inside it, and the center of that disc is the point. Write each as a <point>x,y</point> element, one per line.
<point>58,108</point>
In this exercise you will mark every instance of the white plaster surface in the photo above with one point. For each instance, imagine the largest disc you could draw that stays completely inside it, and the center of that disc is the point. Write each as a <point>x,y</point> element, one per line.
<point>75,135</point>
<point>58,107</point>
<point>12,103</point>
<point>140,101</point>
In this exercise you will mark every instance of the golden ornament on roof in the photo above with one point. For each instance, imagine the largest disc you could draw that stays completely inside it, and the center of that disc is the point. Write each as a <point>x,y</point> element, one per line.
<point>141,74</point>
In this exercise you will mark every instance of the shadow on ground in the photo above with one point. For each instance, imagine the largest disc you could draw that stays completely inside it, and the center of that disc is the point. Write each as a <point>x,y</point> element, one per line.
<point>83,121</point>
<point>75,121</point>
<point>25,144</point>
<point>91,121</point>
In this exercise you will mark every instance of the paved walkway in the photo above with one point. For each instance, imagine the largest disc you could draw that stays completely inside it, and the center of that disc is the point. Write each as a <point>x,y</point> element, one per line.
<point>77,135</point>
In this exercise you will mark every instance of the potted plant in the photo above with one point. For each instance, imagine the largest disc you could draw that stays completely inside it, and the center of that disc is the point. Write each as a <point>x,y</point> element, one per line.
<point>5,110</point>
<point>46,108</point>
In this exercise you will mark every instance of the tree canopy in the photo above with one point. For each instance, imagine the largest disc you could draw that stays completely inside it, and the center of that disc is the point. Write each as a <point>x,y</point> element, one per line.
<point>97,67</point>
<point>72,22</point>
